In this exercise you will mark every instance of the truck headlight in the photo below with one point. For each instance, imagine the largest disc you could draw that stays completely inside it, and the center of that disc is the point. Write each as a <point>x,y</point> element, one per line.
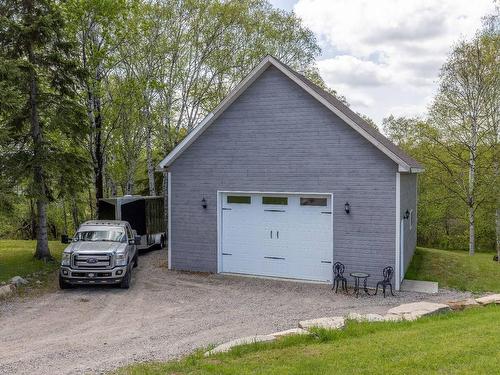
<point>121,259</point>
<point>66,259</point>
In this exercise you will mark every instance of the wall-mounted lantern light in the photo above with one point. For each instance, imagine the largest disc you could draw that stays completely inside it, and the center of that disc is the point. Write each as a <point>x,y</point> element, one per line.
<point>204,203</point>
<point>347,207</point>
<point>406,215</point>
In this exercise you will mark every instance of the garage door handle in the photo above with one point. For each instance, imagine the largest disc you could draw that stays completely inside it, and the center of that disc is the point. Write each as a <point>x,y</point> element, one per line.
<point>227,254</point>
<point>278,234</point>
<point>271,234</point>
<point>275,258</point>
<point>326,261</point>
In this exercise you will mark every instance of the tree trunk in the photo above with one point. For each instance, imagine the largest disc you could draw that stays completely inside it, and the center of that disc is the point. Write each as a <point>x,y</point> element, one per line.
<point>94,113</point>
<point>149,146</point>
<point>42,244</point>
<point>496,169</point>
<point>497,209</point>
<point>113,188</point>
<point>42,241</point>
<point>472,231</point>
<point>149,160</point>
<point>472,187</point>
<point>74,214</point>
<point>99,155</point>
<point>65,218</point>
<point>129,188</point>
<point>91,204</point>
<point>95,119</point>
<point>497,226</point>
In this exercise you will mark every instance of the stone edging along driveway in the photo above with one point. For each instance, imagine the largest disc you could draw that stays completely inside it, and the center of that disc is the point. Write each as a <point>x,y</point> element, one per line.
<point>165,315</point>
<point>404,312</point>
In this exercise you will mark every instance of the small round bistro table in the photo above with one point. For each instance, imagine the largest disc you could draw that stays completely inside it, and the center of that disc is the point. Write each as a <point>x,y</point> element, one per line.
<point>358,276</point>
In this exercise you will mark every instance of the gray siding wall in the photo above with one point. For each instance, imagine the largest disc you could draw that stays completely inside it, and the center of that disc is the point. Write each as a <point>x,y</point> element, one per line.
<point>276,137</point>
<point>408,191</point>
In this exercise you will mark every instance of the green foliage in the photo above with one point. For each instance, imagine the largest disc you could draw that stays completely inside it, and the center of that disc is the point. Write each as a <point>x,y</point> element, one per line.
<point>375,348</point>
<point>41,119</point>
<point>464,118</point>
<point>402,131</point>
<point>442,209</point>
<point>455,269</point>
<point>57,73</point>
<point>458,146</point>
<point>16,259</point>
<point>121,83</point>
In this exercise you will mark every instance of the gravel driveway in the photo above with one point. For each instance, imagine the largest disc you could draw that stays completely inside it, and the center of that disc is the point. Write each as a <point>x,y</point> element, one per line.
<point>164,315</point>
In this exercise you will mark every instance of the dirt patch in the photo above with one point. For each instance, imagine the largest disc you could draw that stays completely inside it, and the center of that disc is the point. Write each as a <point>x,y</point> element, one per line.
<point>163,316</point>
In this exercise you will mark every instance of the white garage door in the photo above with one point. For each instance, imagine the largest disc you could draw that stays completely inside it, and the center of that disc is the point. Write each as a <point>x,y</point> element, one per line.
<point>277,235</point>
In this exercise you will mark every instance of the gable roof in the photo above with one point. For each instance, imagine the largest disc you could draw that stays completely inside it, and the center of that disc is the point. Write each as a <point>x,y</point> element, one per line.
<point>405,162</point>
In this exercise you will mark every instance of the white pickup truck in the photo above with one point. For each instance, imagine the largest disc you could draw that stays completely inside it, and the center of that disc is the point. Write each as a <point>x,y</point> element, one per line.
<point>101,252</point>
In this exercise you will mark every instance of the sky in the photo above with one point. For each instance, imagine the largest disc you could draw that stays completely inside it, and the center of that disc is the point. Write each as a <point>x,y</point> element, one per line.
<point>384,56</point>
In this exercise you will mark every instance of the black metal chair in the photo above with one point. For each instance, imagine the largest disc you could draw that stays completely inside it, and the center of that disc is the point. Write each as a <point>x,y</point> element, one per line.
<point>338,272</point>
<point>388,272</point>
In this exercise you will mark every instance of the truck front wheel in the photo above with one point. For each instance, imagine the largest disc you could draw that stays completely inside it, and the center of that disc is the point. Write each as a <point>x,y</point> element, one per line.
<point>125,283</point>
<point>63,284</point>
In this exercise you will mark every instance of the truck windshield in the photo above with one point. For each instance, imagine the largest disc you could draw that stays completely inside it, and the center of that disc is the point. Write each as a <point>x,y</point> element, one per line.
<point>101,235</point>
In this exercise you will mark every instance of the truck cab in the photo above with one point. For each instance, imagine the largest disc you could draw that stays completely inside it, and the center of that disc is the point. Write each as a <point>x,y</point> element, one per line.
<point>101,252</point>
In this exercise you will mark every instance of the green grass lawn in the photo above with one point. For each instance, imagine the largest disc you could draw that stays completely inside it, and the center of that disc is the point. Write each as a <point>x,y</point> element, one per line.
<point>456,343</point>
<point>456,269</point>
<point>16,258</point>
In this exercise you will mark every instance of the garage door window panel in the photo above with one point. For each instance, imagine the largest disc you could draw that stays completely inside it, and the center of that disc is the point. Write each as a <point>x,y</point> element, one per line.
<point>239,199</point>
<point>317,202</point>
<point>280,201</point>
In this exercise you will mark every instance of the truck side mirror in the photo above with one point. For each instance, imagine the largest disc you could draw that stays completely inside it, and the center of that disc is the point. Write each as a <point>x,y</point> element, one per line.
<point>137,240</point>
<point>65,238</point>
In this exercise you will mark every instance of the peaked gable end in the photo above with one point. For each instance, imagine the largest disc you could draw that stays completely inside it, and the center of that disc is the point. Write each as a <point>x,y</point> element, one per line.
<point>405,162</point>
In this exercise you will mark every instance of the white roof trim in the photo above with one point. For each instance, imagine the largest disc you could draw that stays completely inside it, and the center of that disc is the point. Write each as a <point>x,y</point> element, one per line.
<point>249,79</point>
<point>410,170</point>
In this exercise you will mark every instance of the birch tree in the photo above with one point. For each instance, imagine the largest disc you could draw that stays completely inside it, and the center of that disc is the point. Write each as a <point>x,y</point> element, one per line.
<point>460,119</point>
<point>99,27</point>
<point>126,143</point>
<point>490,38</point>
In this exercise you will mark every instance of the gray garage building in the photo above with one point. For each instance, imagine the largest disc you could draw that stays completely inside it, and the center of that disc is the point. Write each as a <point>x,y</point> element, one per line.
<point>283,180</point>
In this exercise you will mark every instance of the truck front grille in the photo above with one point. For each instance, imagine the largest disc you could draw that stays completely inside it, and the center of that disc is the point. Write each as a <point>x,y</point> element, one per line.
<point>92,261</point>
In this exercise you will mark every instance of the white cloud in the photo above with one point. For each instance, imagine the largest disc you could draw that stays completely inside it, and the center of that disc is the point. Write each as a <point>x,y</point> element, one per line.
<point>346,69</point>
<point>388,52</point>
